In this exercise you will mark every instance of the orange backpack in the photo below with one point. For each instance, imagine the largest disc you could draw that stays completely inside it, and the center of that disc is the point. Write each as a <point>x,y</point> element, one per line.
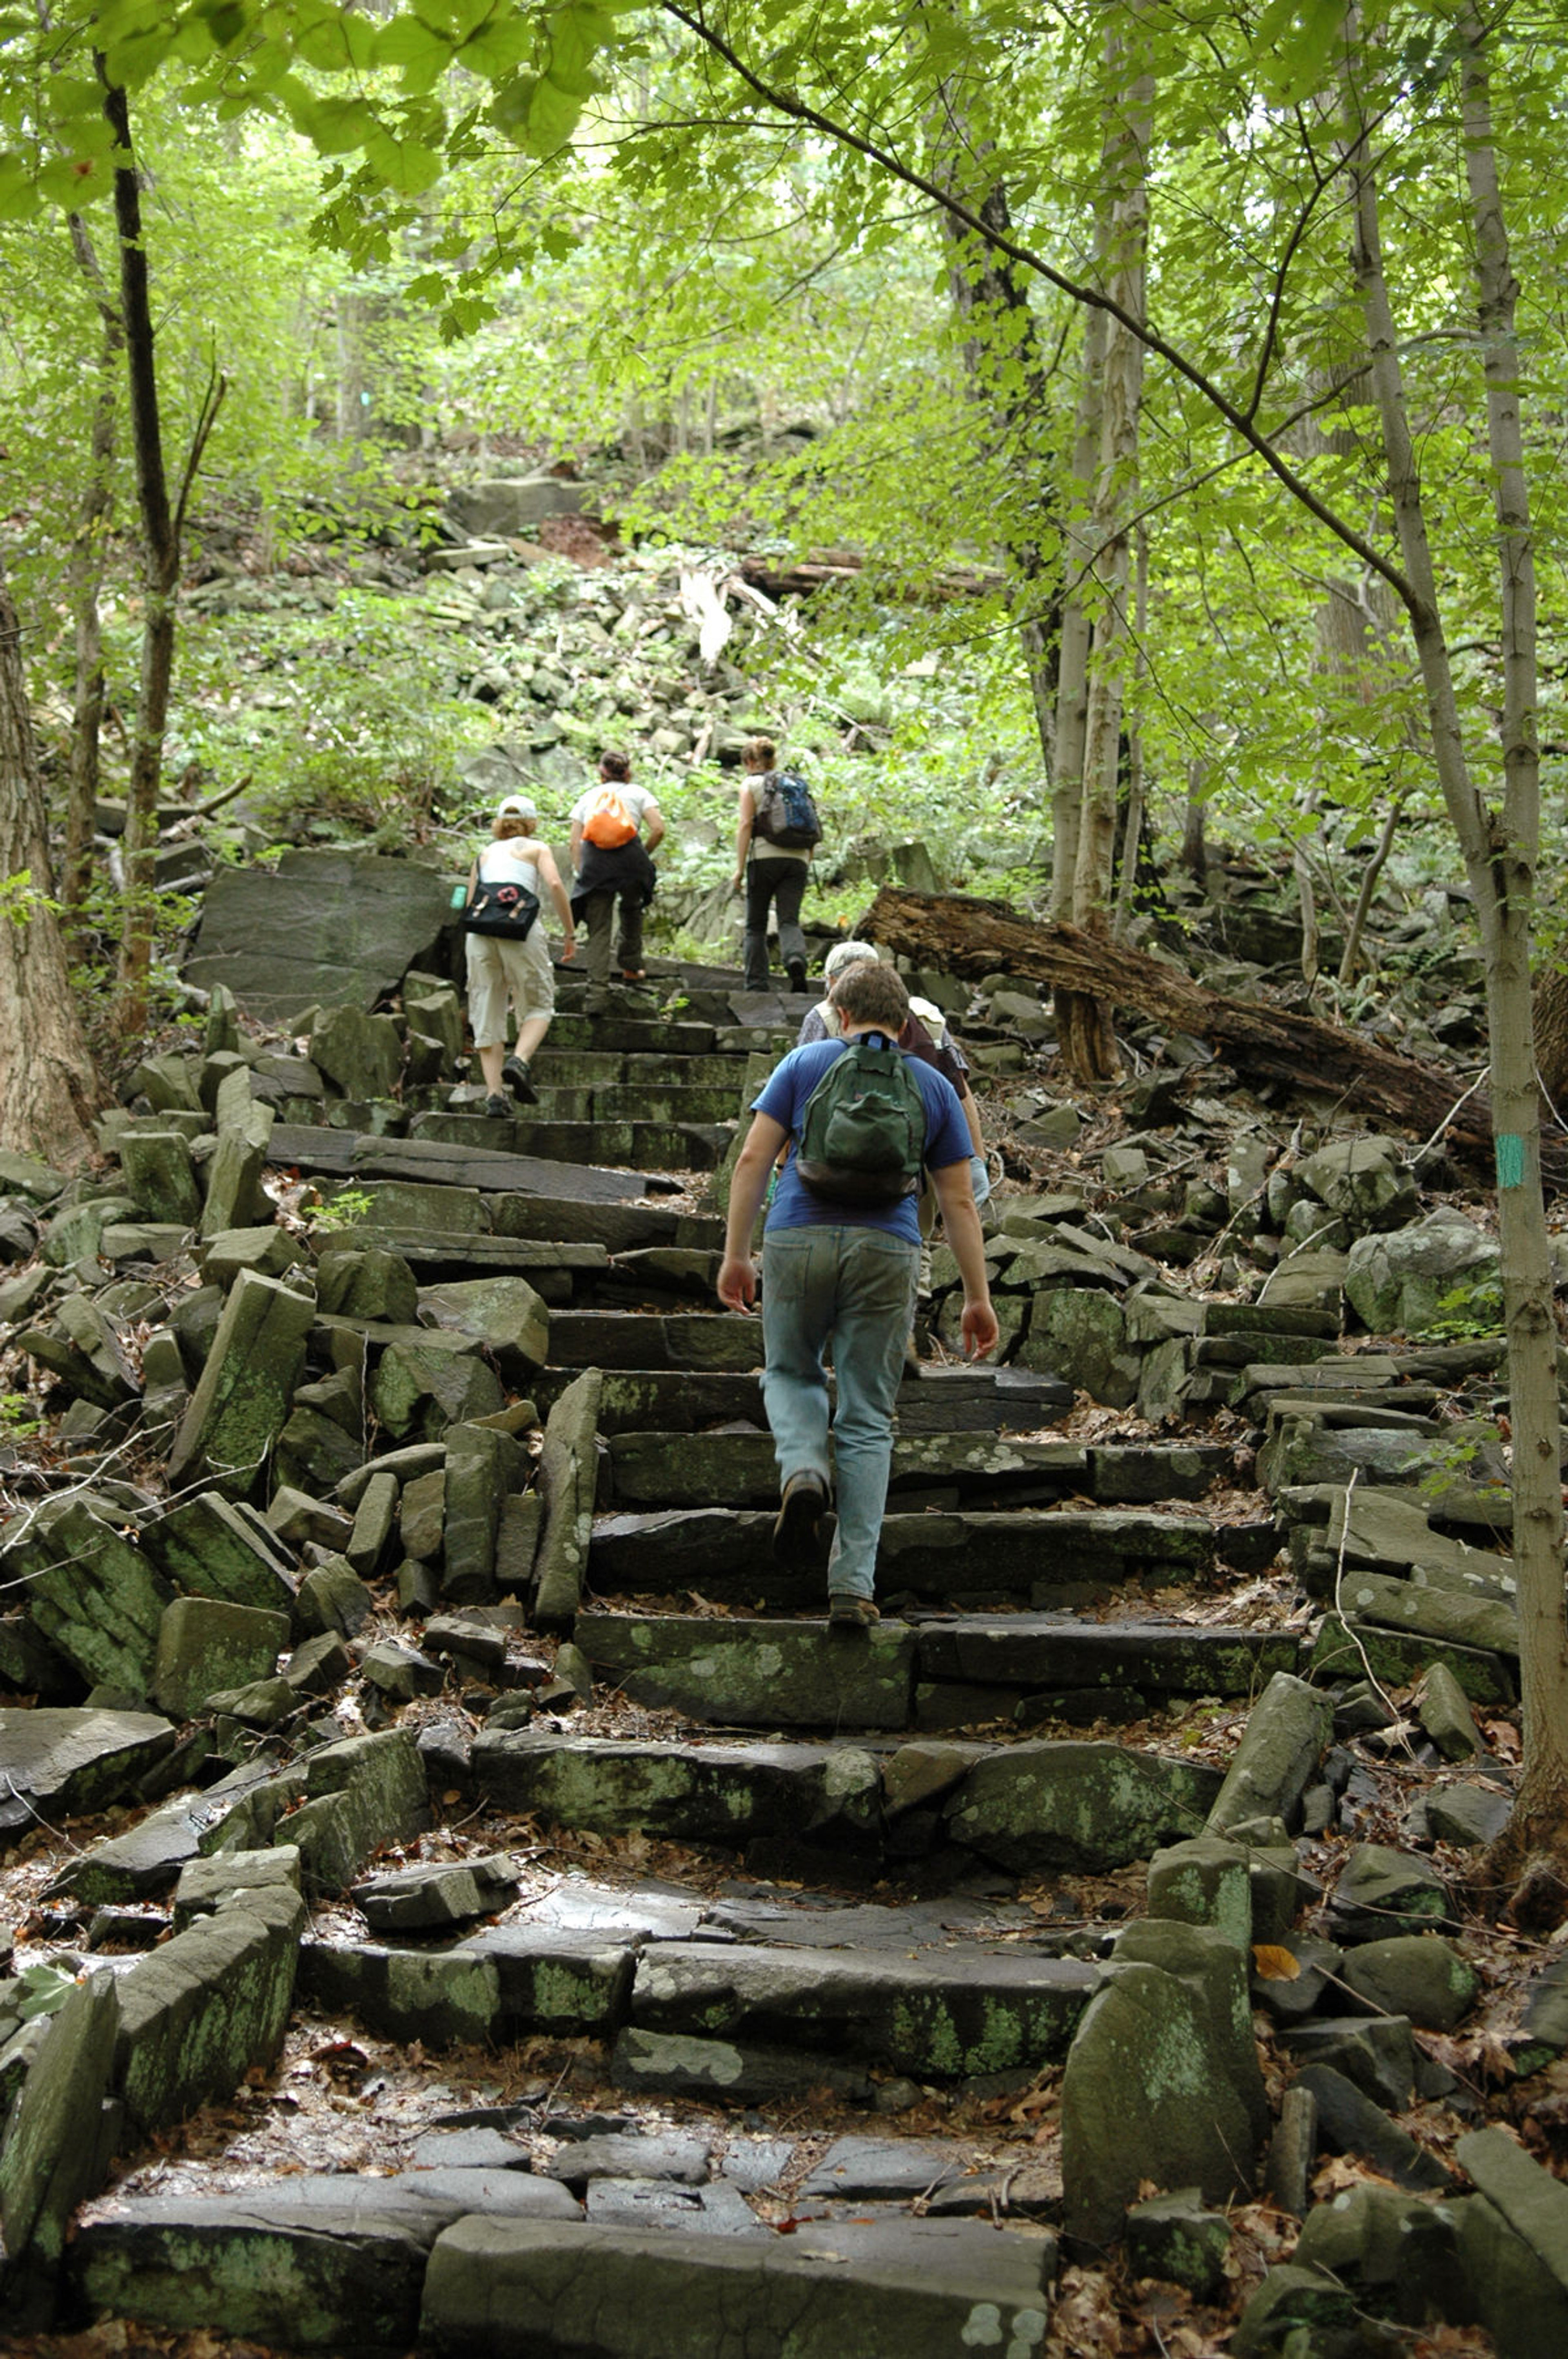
<point>609,823</point>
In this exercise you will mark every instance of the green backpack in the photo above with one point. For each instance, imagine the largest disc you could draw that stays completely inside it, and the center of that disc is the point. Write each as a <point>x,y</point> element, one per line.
<point>863,1130</point>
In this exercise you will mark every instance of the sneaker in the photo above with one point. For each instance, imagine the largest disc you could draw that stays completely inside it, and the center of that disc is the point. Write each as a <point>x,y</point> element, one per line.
<point>498,1108</point>
<point>796,973</point>
<point>518,1079</point>
<point>849,1612</point>
<point>798,1525</point>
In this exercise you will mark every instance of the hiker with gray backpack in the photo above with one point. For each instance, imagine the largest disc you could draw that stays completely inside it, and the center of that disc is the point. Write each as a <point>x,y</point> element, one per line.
<point>776,832</point>
<point>840,1259</point>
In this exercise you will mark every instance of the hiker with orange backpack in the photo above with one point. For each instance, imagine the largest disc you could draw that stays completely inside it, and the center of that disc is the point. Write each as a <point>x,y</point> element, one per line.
<point>616,828</point>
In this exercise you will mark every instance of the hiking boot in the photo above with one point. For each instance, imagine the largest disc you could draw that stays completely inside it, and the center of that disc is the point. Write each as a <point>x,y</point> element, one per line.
<point>795,971</point>
<point>845,1612</point>
<point>797,1526</point>
<point>518,1079</point>
<point>498,1108</point>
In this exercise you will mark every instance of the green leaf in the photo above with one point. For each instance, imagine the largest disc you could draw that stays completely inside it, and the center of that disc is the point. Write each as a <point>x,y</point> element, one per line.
<point>18,195</point>
<point>75,180</point>
<point>402,164</point>
<point>495,49</point>
<point>409,41</point>
<point>1294,41</point>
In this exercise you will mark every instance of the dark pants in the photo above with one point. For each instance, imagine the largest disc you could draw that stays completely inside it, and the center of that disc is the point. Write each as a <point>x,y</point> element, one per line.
<point>598,911</point>
<point>781,885</point>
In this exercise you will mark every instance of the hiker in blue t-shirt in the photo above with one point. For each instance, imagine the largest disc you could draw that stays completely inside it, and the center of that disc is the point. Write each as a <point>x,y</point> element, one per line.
<point>844,1273</point>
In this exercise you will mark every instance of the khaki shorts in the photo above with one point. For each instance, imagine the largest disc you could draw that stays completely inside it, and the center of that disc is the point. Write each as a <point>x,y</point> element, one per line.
<point>498,970</point>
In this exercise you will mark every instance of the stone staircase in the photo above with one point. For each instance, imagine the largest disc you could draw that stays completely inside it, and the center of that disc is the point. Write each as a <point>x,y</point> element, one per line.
<point>794,1873</point>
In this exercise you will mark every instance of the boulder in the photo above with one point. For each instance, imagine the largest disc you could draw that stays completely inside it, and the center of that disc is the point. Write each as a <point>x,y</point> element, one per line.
<point>1162,2081</point>
<point>241,1399</point>
<point>1399,1284</point>
<point>1283,1741</point>
<point>1363,1182</point>
<point>317,929</point>
<point>1082,1807</point>
<point>205,1644</point>
<point>53,2147</point>
<point>90,1591</point>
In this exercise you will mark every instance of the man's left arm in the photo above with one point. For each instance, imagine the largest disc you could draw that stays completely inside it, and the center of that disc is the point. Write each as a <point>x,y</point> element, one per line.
<point>961,1226</point>
<point>748,1185</point>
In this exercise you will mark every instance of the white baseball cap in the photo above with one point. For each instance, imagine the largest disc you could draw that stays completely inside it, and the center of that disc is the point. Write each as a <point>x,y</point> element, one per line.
<point>516,807</point>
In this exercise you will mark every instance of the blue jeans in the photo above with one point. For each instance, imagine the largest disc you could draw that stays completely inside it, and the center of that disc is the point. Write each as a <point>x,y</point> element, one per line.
<point>854,1287</point>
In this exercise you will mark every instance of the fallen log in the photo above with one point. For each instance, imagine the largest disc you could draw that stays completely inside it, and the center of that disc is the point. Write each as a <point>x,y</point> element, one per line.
<point>824,568</point>
<point>962,936</point>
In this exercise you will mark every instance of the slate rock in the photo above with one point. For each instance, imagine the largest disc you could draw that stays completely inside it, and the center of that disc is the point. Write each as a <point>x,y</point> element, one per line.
<point>362,1054</point>
<point>1298,2310</point>
<point>1177,2238</point>
<point>1156,2085</point>
<point>715,2210</point>
<point>1349,2122</point>
<point>1467,1815</point>
<point>90,1592</point>
<point>1513,2242</point>
<point>60,1762</point>
<point>1419,1975</point>
<point>1374,2053</point>
<point>367,1282</point>
<point>721,2072</point>
<point>1286,1735</point>
<point>568,1474</point>
<point>443,1893</point>
<point>1205,1881</point>
<point>1381,1891</point>
<point>242,1398</point>
<point>1397,2251</point>
<point>1397,1283</point>
<point>895,2292</point>
<point>205,1644</point>
<point>318,929</point>
<point>197,2014</point>
<point>1085,1807</point>
<point>50,2158</point>
<point>866,2169</point>
<point>671,2156</point>
<point>504,1314</point>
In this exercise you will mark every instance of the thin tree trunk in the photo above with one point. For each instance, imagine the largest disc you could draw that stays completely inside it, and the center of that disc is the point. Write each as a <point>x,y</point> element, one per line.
<point>162,526</point>
<point>1500,853</point>
<point>1006,381</point>
<point>89,550</point>
<point>1369,876</point>
<point>1088,1040</point>
<point>1136,806</point>
<point>48,1087</point>
<point>1077,627</point>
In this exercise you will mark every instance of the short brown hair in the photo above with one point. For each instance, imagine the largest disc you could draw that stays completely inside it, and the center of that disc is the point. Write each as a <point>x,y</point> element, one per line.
<point>761,754</point>
<point>869,993</point>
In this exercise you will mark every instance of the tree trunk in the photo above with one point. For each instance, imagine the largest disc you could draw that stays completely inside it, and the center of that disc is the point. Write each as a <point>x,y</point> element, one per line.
<point>1500,850</point>
<point>87,559</point>
<point>1006,378</point>
<point>961,936</point>
<point>160,575</point>
<point>162,528</point>
<point>1088,1038</point>
<point>48,1087</point>
<point>1551,1037</point>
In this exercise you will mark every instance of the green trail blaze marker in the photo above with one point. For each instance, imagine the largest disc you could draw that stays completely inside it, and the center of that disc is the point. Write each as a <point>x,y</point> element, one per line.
<point>1510,1160</point>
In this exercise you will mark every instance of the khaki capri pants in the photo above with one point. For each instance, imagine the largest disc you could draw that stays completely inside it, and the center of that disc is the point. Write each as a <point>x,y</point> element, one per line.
<point>499,969</point>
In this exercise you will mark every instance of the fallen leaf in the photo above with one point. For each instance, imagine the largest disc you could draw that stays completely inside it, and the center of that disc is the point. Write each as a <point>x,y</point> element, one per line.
<point>1273,1963</point>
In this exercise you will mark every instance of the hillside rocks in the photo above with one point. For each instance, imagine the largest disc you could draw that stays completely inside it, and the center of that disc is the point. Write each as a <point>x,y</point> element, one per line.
<point>463,1602</point>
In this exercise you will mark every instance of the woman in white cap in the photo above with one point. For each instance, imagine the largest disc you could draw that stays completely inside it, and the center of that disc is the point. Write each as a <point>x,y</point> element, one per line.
<point>500,969</point>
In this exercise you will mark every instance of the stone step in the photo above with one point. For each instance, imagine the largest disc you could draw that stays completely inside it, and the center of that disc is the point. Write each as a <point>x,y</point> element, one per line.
<point>676,1469</point>
<point>347,1154</point>
<point>1028,1808</point>
<point>590,1069</point>
<point>967,1561</point>
<point>659,1102</point>
<point>747,1673</point>
<point>634,1145</point>
<point>939,1400</point>
<point>629,1338</point>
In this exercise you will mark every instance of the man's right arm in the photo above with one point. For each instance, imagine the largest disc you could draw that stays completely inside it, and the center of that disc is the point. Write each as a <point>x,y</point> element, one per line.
<point>748,1186</point>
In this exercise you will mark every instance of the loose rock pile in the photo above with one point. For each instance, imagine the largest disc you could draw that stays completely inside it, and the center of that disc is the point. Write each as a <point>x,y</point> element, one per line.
<point>403,1525</point>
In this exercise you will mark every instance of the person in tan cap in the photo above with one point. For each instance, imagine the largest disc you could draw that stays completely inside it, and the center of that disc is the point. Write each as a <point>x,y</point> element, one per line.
<point>501,970</point>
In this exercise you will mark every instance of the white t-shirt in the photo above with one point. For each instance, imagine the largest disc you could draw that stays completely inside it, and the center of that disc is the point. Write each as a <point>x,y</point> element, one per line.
<point>514,860</point>
<point>639,802</point>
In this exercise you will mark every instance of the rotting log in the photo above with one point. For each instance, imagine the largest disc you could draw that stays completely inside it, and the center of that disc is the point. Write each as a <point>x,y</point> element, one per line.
<point>823,569</point>
<point>971,938</point>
